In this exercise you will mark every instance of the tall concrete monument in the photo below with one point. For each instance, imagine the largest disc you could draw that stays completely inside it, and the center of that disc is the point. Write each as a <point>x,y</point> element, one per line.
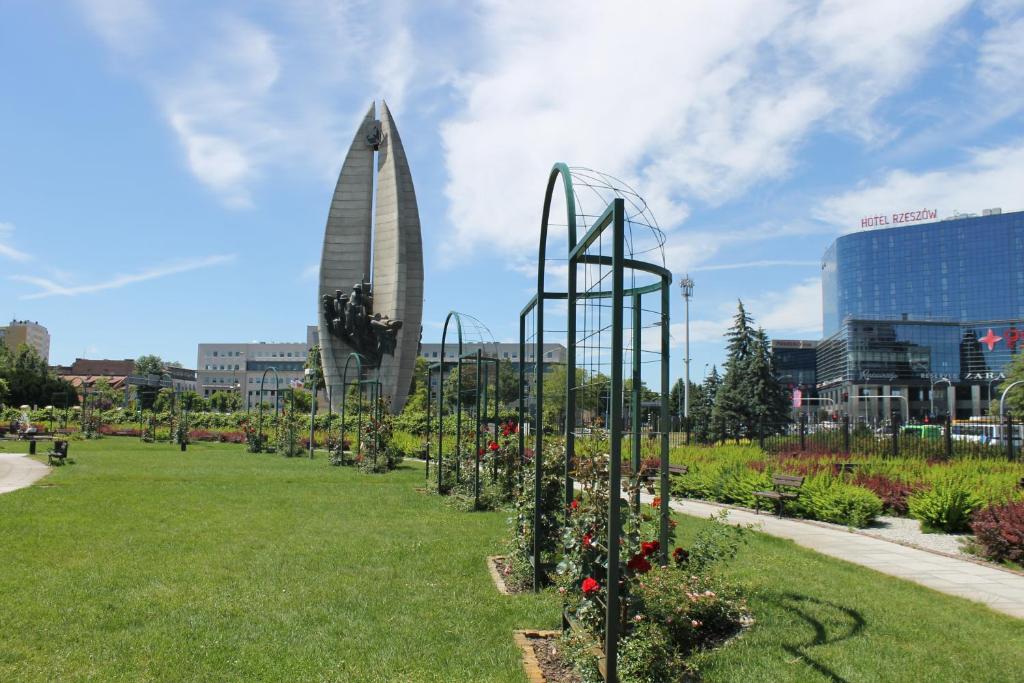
<point>373,308</point>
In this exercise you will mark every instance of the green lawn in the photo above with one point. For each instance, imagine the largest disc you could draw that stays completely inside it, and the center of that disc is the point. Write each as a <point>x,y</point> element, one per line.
<point>821,619</point>
<point>143,563</point>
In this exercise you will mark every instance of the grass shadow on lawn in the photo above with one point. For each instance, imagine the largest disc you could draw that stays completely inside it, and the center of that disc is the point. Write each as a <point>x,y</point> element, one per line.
<point>803,606</point>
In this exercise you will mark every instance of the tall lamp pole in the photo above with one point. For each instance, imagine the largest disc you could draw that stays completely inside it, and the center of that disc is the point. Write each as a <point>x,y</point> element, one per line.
<point>686,286</point>
<point>311,377</point>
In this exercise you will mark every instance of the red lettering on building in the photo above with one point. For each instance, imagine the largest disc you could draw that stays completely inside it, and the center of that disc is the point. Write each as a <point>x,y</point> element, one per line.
<point>901,217</point>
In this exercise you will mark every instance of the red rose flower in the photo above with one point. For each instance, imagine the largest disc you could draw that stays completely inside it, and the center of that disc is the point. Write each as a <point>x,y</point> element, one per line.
<point>590,586</point>
<point>656,503</point>
<point>680,556</point>
<point>494,446</point>
<point>587,540</point>
<point>480,452</point>
<point>649,548</point>
<point>575,504</point>
<point>639,564</point>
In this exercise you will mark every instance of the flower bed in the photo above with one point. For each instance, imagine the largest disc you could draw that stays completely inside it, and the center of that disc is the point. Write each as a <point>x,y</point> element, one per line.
<point>942,494</point>
<point>668,611</point>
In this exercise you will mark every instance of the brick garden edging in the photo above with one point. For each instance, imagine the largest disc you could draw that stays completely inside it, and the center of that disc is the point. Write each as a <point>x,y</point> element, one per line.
<point>499,580</point>
<point>530,663</point>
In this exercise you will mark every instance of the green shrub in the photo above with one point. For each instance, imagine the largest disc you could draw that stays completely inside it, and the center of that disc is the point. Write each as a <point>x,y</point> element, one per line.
<point>828,499</point>
<point>947,506</point>
<point>410,445</point>
<point>737,483</point>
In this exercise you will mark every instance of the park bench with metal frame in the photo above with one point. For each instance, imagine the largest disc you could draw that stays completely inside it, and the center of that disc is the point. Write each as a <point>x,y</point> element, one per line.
<point>782,490</point>
<point>59,452</point>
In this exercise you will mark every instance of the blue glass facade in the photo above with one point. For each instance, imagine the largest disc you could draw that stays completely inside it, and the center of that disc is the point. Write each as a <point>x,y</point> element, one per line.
<point>952,270</point>
<point>927,315</point>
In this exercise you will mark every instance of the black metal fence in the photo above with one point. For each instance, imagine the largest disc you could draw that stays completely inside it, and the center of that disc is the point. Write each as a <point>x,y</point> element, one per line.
<point>984,438</point>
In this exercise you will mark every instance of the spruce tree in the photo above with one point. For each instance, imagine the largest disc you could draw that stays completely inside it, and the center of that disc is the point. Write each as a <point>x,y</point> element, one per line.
<point>733,399</point>
<point>768,405</point>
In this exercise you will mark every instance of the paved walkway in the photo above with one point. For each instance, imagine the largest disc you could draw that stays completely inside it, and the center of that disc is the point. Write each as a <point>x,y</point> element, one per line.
<point>17,471</point>
<point>1001,590</point>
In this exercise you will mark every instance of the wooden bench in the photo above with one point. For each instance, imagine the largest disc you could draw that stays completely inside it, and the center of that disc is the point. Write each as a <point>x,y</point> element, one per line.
<point>59,452</point>
<point>782,485</point>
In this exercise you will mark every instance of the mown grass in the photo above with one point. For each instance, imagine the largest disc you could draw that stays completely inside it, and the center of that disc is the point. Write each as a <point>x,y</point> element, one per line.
<point>821,619</point>
<point>143,563</point>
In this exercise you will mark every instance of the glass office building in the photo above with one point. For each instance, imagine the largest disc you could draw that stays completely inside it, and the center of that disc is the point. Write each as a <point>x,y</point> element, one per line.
<point>923,317</point>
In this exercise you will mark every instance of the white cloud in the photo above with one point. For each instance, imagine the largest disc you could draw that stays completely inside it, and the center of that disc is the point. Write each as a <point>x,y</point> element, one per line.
<point>753,264</point>
<point>48,288</point>
<point>125,25</point>
<point>797,309</point>
<point>793,311</point>
<point>6,230</point>
<point>690,102</point>
<point>216,108</point>
<point>1001,51</point>
<point>243,96</point>
<point>989,178</point>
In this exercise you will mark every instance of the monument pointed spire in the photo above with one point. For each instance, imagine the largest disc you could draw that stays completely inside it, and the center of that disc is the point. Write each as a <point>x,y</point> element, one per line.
<point>395,273</point>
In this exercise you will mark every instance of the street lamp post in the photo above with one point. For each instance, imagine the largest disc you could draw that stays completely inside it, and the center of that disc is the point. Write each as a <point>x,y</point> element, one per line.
<point>686,287</point>
<point>312,379</point>
<point>990,397</point>
<point>1002,399</point>
<point>931,392</point>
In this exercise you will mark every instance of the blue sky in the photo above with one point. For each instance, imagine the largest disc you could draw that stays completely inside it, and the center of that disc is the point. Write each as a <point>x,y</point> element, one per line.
<point>167,166</point>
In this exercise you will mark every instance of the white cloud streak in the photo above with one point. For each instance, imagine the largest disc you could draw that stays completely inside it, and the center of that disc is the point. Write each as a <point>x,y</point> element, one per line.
<point>6,230</point>
<point>50,288</point>
<point>753,264</point>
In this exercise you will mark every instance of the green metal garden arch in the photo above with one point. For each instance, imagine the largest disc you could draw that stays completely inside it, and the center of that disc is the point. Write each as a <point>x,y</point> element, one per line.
<point>277,391</point>
<point>360,382</point>
<point>482,364</point>
<point>612,220</point>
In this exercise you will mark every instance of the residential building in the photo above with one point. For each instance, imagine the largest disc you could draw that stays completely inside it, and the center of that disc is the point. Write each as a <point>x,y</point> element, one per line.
<point>19,332</point>
<point>922,319</point>
<point>117,373</point>
<point>241,367</point>
<point>554,354</point>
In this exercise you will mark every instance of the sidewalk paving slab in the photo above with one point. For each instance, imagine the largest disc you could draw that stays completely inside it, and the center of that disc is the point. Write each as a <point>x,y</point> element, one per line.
<point>1001,590</point>
<point>18,471</point>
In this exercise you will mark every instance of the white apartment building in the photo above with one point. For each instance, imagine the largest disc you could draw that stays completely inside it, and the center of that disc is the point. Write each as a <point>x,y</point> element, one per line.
<point>19,332</point>
<point>241,367</point>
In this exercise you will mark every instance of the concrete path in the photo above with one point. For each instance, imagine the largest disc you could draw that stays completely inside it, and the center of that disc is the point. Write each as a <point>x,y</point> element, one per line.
<point>1001,590</point>
<point>18,471</point>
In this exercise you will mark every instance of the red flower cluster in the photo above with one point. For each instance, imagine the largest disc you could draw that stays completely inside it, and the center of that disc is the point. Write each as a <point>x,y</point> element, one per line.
<point>648,548</point>
<point>509,428</point>
<point>639,564</point>
<point>587,540</point>
<point>575,504</point>
<point>656,503</point>
<point>590,586</point>
<point>494,446</point>
<point>680,556</point>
